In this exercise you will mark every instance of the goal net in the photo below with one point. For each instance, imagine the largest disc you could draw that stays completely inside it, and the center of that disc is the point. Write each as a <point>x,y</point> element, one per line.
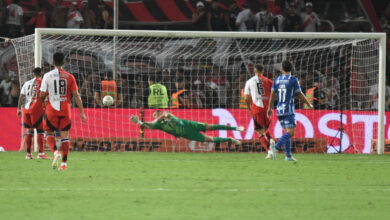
<point>204,74</point>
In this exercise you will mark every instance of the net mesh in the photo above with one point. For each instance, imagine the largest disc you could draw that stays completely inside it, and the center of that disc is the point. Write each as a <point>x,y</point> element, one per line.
<point>213,71</point>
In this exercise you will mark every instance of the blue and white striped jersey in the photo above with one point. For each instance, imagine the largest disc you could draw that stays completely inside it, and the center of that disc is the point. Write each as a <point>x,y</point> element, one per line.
<point>286,87</point>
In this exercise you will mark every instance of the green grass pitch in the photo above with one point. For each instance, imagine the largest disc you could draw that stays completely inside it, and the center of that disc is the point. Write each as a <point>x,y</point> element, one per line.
<point>195,186</point>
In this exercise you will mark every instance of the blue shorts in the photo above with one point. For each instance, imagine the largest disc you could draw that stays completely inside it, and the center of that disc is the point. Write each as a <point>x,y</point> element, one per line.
<point>287,121</point>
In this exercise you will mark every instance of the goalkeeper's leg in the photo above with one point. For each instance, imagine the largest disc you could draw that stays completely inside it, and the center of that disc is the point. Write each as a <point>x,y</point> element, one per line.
<point>221,140</point>
<point>223,127</point>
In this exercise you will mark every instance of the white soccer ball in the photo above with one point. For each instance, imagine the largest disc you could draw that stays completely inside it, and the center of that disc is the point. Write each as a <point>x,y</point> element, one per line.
<point>108,100</point>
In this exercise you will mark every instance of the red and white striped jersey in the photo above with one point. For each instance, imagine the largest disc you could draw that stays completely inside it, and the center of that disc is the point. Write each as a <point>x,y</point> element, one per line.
<point>58,84</point>
<point>259,88</point>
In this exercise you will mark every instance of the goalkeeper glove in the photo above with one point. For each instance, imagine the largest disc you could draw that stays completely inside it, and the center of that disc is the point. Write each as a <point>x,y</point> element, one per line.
<point>136,120</point>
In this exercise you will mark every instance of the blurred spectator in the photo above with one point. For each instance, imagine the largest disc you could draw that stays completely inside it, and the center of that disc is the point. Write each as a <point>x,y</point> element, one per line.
<point>298,4</point>
<point>3,14</point>
<point>264,19</point>
<point>245,19</point>
<point>158,95</point>
<point>3,71</point>
<point>328,4</point>
<point>180,75</point>
<point>102,17</point>
<point>332,89</point>
<point>221,85</point>
<point>180,99</point>
<point>59,15</point>
<point>232,15</point>
<point>238,90</point>
<point>39,20</point>
<point>88,15</point>
<point>197,94</point>
<point>199,18</point>
<point>167,81</point>
<point>5,91</point>
<point>374,96</point>
<point>15,90</point>
<point>124,84</point>
<point>87,89</point>
<point>15,22</point>
<point>138,95</point>
<point>310,19</point>
<point>217,18</point>
<point>316,95</point>
<point>385,20</point>
<point>74,19</point>
<point>278,20</point>
<point>292,22</point>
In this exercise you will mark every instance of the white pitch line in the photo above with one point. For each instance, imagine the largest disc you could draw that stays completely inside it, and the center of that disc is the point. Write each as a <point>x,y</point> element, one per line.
<point>198,190</point>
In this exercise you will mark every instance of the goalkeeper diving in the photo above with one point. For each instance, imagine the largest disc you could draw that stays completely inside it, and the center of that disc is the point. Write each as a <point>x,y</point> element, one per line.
<point>191,130</point>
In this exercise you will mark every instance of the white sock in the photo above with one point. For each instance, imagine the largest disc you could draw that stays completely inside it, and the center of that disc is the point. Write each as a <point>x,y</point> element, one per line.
<point>63,163</point>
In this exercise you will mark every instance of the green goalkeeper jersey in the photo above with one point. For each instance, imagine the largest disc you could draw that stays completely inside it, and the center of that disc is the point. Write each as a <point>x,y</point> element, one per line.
<point>173,126</point>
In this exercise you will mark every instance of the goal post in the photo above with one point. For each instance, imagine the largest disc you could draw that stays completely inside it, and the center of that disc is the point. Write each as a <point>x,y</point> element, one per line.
<point>362,53</point>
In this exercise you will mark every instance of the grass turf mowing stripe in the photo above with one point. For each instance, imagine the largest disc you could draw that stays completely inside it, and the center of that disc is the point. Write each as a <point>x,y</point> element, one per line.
<point>195,186</point>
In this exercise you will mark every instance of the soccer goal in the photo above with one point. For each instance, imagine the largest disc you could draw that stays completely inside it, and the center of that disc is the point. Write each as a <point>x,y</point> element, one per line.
<point>204,73</point>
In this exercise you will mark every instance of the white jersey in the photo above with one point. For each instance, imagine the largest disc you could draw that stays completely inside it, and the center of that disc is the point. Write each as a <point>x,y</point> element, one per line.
<point>28,91</point>
<point>49,84</point>
<point>259,88</point>
<point>310,22</point>
<point>15,13</point>
<point>264,21</point>
<point>74,19</point>
<point>246,20</point>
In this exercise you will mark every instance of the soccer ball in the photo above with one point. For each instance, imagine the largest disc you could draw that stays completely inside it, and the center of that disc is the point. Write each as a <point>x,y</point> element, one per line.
<point>108,100</point>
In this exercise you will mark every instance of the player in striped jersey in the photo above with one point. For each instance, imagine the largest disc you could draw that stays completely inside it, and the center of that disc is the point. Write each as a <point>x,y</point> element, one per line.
<point>257,94</point>
<point>284,90</point>
<point>32,113</point>
<point>59,86</point>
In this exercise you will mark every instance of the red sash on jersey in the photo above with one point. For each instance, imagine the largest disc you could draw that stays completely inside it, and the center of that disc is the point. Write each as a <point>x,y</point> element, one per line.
<point>308,20</point>
<point>72,15</point>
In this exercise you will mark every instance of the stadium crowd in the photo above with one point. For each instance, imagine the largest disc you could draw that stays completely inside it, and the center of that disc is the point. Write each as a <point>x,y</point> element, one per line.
<point>214,85</point>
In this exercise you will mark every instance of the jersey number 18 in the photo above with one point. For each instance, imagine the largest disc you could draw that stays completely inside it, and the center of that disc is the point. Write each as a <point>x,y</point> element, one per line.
<point>61,87</point>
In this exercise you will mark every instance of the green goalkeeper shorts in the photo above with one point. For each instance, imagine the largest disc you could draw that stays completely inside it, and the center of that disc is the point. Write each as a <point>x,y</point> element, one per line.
<point>192,130</point>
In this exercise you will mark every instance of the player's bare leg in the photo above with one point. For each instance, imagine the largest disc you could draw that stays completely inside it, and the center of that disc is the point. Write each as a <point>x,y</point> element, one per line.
<point>65,149</point>
<point>29,141</point>
<point>221,140</point>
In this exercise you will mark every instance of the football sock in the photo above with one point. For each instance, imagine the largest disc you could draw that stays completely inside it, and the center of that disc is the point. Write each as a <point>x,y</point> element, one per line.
<point>268,134</point>
<point>264,141</point>
<point>287,146</point>
<point>65,149</point>
<point>283,141</point>
<point>41,141</point>
<point>222,127</point>
<point>220,140</point>
<point>29,140</point>
<point>51,141</point>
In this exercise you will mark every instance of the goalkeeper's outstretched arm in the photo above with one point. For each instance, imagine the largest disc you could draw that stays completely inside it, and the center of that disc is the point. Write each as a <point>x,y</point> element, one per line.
<point>160,116</point>
<point>135,119</point>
